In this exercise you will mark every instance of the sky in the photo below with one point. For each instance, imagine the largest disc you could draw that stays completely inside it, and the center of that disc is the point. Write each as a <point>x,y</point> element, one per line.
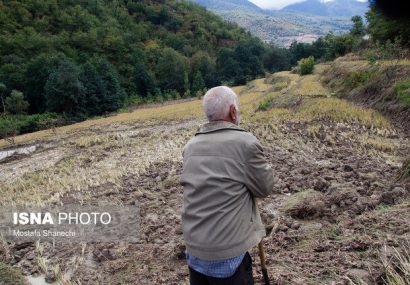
<point>278,4</point>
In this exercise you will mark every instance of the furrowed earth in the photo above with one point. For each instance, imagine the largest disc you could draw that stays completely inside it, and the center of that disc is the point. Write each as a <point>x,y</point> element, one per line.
<point>339,215</point>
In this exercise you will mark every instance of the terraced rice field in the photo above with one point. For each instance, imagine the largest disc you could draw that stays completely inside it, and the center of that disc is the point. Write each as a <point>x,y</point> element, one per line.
<point>337,216</point>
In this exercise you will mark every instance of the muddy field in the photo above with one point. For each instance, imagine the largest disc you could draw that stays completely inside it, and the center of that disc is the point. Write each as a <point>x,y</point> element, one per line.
<point>339,215</point>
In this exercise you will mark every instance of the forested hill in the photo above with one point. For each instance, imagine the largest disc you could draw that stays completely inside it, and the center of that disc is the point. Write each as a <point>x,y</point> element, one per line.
<point>85,58</point>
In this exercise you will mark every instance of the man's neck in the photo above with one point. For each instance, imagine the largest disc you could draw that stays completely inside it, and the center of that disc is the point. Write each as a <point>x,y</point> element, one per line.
<point>224,120</point>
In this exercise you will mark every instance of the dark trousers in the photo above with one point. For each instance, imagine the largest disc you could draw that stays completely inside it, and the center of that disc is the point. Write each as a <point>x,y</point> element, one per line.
<point>242,276</point>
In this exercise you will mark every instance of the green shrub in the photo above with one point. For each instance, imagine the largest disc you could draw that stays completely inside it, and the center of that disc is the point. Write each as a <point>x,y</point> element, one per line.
<point>306,65</point>
<point>372,57</point>
<point>175,95</point>
<point>15,103</point>
<point>406,169</point>
<point>387,98</point>
<point>11,125</point>
<point>159,99</point>
<point>149,99</point>
<point>402,90</point>
<point>265,104</point>
<point>356,79</point>
<point>170,95</point>
<point>133,101</point>
<point>187,94</point>
<point>10,275</point>
<point>201,93</point>
<point>389,50</point>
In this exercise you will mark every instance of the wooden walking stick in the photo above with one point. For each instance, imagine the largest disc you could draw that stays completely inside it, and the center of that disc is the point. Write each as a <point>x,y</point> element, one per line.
<point>262,258</point>
<point>263,263</point>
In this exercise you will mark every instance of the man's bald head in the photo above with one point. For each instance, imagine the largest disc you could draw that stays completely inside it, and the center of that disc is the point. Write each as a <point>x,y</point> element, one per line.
<point>221,103</point>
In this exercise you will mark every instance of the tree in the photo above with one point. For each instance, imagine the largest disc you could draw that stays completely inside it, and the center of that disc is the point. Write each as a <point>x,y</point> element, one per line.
<point>227,65</point>
<point>186,83</point>
<point>3,89</point>
<point>177,42</point>
<point>36,75</point>
<point>198,83</point>
<point>306,65</point>
<point>163,15</point>
<point>319,48</point>
<point>300,50</point>
<point>94,92</point>
<point>16,104</point>
<point>249,54</point>
<point>358,29</point>
<point>64,91</point>
<point>243,63</point>
<point>115,94</point>
<point>12,74</point>
<point>38,35</point>
<point>277,59</point>
<point>202,62</point>
<point>382,28</point>
<point>143,80</point>
<point>338,45</point>
<point>170,71</point>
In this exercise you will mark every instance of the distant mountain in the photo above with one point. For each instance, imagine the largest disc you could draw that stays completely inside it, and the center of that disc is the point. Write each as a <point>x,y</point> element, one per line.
<point>226,5</point>
<point>336,8</point>
<point>280,27</point>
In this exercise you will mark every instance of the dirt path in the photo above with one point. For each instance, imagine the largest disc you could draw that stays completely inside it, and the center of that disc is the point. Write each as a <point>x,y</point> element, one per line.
<point>337,205</point>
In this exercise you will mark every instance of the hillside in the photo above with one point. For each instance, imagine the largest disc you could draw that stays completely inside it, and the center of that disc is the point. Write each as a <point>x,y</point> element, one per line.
<point>284,27</point>
<point>383,86</point>
<point>281,27</point>
<point>336,216</point>
<point>77,59</point>
<point>336,8</point>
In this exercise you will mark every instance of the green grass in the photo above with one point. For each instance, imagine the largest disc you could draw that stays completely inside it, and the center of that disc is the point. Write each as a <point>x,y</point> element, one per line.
<point>332,232</point>
<point>265,103</point>
<point>387,98</point>
<point>406,169</point>
<point>402,90</point>
<point>397,269</point>
<point>11,125</point>
<point>10,275</point>
<point>355,79</point>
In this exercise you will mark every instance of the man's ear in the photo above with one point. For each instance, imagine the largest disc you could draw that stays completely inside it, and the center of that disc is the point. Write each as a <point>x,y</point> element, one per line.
<point>233,113</point>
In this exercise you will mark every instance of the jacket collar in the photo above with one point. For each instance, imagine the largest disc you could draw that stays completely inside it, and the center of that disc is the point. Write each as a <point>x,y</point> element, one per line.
<point>217,126</point>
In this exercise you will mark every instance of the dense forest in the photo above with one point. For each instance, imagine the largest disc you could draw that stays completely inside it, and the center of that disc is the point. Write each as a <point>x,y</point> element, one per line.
<point>86,58</point>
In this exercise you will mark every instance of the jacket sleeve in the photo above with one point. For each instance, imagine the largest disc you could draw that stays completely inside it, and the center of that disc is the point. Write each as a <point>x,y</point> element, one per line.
<point>259,178</point>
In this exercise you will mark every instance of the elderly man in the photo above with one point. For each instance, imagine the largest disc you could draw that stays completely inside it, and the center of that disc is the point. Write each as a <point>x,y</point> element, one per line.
<point>224,169</point>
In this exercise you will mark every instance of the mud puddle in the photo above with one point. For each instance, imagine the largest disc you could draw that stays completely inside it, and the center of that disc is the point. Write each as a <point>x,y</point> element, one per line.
<point>19,151</point>
<point>39,280</point>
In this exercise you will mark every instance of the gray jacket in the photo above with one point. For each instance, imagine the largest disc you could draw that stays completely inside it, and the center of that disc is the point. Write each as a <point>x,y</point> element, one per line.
<point>224,168</point>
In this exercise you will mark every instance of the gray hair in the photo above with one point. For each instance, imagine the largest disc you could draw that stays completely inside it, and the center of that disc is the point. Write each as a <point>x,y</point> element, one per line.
<point>217,102</point>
